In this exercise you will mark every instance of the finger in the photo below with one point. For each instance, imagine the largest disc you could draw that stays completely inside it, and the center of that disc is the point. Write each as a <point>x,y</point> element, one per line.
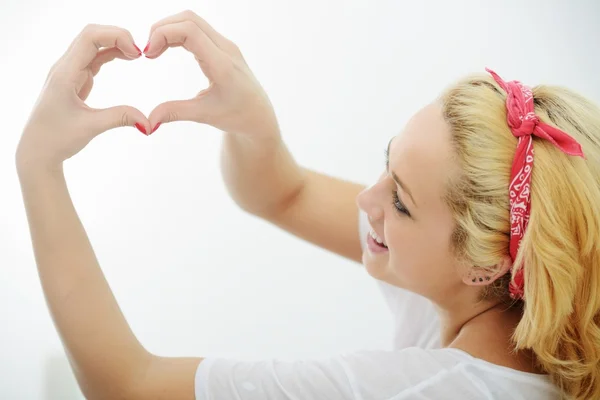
<point>178,34</point>
<point>114,117</point>
<point>178,110</point>
<point>70,48</point>
<point>93,38</point>
<point>165,48</point>
<point>187,34</point>
<point>85,79</point>
<point>60,60</point>
<point>221,41</point>
<point>87,86</point>
<point>104,56</point>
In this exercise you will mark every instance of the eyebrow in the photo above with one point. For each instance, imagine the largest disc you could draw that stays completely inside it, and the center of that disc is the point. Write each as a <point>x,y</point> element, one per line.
<point>395,177</point>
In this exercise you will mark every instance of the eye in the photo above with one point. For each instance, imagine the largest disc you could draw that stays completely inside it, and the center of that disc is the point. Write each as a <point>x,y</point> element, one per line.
<point>398,204</point>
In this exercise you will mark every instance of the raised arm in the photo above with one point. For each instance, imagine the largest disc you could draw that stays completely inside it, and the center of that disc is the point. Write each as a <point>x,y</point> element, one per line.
<point>259,171</point>
<point>107,359</point>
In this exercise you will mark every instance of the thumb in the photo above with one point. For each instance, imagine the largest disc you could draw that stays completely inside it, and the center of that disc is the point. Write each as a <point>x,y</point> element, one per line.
<point>116,117</point>
<point>177,110</point>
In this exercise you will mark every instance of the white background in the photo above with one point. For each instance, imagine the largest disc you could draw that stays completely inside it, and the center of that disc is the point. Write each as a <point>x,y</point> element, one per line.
<point>194,275</point>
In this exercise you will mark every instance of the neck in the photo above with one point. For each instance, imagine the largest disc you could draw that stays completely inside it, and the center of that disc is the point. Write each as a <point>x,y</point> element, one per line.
<point>457,318</point>
<point>485,332</point>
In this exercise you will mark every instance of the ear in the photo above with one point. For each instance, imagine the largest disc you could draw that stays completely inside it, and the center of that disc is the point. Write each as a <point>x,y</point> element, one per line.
<point>481,277</point>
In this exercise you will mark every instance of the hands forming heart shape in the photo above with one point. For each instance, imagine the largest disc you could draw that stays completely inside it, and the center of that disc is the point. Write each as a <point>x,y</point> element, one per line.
<point>61,124</point>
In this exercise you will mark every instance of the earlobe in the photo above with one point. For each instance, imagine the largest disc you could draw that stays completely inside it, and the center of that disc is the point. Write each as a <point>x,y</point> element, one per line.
<point>483,276</point>
<point>486,278</point>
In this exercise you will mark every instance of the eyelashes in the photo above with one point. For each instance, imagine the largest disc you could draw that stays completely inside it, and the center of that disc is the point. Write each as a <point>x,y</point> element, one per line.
<point>399,205</point>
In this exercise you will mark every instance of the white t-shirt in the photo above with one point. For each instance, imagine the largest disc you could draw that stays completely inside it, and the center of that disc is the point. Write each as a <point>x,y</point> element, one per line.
<point>416,368</point>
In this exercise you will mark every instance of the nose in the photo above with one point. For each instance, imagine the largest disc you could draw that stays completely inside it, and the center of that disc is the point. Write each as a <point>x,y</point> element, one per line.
<point>369,201</point>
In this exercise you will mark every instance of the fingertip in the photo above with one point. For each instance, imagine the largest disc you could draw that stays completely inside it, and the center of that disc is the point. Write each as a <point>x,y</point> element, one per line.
<point>157,117</point>
<point>155,120</point>
<point>154,48</point>
<point>147,49</point>
<point>139,52</point>
<point>132,56</point>
<point>141,128</point>
<point>155,127</point>
<point>130,49</point>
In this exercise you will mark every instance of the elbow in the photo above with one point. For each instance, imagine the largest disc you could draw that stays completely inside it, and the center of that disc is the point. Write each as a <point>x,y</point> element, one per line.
<point>120,383</point>
<point>108,391</point>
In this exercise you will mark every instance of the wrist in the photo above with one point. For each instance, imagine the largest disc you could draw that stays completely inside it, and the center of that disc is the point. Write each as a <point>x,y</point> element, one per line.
<point>30,168</point>
<point>261,143</point>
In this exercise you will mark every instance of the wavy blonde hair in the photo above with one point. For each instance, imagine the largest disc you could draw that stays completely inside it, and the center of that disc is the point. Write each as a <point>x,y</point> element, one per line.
<point>561,248</point>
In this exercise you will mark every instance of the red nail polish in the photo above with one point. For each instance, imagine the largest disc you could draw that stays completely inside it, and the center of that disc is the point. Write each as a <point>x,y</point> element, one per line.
<point>147,47</point>
<point>141,128</point>
<point>156,127</point>
<point>138,49</point>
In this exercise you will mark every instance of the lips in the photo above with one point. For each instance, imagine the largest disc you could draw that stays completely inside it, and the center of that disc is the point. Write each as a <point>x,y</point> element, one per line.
<point>377,238</point>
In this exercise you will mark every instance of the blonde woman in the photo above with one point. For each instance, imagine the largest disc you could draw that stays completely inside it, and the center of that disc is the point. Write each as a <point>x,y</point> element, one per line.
<point>483,232</point>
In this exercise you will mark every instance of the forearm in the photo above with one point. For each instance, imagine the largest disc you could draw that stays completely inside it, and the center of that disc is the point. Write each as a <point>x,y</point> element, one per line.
<point>261,176</point>
<point>103,351</point>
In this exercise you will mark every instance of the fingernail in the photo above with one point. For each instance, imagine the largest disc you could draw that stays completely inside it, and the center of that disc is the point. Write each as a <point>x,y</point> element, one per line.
<point>156,127</point>
<point>147,47</point>
<point>141,128</point>
<point>138,49</point>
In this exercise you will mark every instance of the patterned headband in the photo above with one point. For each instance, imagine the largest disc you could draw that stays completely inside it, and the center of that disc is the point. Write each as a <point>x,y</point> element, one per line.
<point>523,124</point>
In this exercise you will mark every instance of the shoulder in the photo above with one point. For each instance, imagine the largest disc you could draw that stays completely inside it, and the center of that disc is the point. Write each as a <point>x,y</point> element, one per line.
<point>403,374</point>
<point>370,373</point>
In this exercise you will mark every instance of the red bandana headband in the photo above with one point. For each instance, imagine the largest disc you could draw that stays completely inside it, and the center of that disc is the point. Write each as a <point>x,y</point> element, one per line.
<point>524,123</point>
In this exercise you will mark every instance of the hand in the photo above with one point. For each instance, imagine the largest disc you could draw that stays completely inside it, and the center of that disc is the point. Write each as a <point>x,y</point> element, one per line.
<point>61,124</point>
<point>234,102</point>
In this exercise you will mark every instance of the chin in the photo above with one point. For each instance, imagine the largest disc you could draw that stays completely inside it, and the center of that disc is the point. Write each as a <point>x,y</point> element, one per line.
<point>376,266</point>
<point>379,268</point>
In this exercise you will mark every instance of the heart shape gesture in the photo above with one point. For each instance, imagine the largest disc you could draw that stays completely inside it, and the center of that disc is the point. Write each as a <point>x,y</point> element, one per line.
<point>61,124</point>
<point>234,101</point>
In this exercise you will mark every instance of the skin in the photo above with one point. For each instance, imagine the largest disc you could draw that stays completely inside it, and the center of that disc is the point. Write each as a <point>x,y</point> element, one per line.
<point>107,359</point>
<point>419,256</point>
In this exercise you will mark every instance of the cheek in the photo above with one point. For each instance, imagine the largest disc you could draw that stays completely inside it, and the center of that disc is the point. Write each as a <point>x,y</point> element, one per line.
<point>418,254</point>
<point>406,247</point>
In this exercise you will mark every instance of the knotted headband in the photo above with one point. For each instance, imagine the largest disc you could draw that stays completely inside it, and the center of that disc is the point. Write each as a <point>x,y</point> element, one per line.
<point>523,124</point>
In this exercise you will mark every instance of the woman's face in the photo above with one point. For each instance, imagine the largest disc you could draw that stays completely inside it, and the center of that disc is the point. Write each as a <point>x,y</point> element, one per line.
<point>407,212</point>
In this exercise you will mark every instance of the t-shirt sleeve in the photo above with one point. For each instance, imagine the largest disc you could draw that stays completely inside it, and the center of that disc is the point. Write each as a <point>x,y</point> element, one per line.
<point>416,322</point>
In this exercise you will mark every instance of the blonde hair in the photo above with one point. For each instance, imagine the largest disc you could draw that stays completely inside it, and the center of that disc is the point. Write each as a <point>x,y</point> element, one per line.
<point>561,247</point>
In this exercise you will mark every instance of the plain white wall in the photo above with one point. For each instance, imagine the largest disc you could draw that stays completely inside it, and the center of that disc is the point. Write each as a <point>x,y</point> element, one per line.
<point>194,275</point>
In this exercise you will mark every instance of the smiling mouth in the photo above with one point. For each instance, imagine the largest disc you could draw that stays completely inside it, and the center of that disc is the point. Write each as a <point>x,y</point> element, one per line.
<point>377,239</point>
